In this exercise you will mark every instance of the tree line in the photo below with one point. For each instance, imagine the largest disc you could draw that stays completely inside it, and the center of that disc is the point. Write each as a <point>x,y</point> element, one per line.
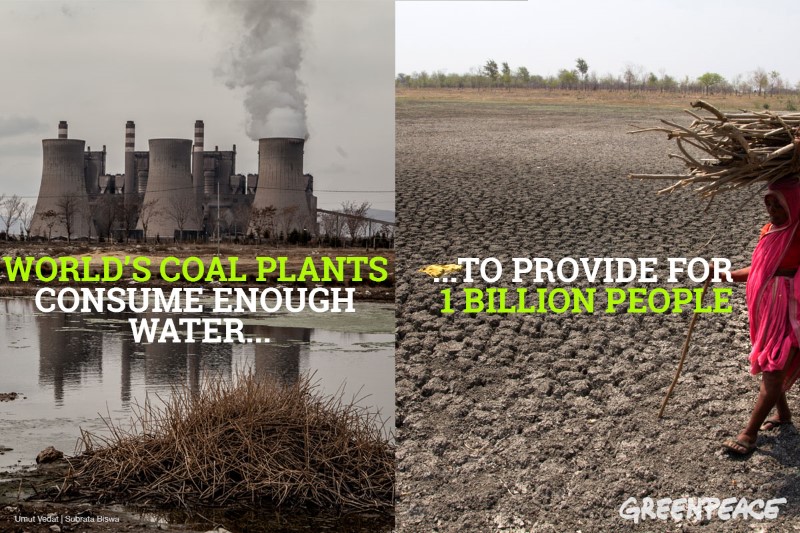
<point>632,77</point>
<point>14,211</point>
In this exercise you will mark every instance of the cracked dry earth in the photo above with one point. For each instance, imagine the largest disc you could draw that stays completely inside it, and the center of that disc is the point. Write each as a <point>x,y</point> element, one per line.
<point>547,422</point>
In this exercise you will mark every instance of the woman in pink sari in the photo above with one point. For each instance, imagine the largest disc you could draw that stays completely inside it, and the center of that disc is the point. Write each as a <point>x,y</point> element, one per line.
<point>773,293</point>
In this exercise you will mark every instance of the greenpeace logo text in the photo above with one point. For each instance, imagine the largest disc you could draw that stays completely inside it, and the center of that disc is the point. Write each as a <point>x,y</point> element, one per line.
<point>696,509</point>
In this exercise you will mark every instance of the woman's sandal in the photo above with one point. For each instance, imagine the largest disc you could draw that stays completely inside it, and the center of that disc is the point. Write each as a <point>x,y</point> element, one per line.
<point>774,423</point>
<point>737,447</point>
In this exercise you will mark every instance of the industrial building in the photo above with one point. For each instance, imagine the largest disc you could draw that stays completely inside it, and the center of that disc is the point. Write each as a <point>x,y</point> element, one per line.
<point>174,190</point>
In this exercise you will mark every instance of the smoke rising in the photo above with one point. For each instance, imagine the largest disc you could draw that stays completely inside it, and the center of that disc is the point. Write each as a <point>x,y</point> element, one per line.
<point>11,126</point>
<point>265,62</point>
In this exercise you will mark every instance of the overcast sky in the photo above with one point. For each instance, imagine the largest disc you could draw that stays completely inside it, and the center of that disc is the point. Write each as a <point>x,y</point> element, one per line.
<point>680,37</point>
<point>97,64</point>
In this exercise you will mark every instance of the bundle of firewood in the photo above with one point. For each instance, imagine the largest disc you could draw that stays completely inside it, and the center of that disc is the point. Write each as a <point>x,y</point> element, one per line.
<point>725,151</point>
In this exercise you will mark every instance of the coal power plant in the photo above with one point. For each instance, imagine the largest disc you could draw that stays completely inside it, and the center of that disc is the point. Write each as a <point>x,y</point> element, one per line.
<point>175,190</point>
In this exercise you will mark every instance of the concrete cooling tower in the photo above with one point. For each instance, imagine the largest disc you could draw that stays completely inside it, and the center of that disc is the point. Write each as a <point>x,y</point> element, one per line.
<point>281,183</point>
<point>169,184</point>
<point>62,209</point>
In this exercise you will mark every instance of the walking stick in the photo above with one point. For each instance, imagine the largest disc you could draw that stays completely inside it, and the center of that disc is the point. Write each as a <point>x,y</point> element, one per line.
<point>685,349</point>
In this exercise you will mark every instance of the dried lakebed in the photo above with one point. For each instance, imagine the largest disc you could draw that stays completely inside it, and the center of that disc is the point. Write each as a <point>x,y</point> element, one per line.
<point>547,422</point>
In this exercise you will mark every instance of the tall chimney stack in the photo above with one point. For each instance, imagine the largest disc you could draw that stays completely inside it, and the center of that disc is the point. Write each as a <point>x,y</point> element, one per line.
<point>62,129</point>
<point>130,160</point>
<point>198,135</point>
<point>198,181</point>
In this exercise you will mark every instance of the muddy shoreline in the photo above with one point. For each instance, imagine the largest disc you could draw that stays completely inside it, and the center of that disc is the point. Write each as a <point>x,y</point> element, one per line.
<point>28,502</point>
<point>25,507</point>
<point>547,422</point>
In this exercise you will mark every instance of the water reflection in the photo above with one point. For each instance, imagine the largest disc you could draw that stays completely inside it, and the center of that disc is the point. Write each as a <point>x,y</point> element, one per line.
<point>68,351</point>
<point>280,359</point>
<point>70,348</point>
<point>72,366</point>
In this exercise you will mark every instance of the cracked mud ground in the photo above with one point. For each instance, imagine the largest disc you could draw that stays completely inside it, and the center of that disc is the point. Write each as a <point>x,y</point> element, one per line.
<point>547,422</point>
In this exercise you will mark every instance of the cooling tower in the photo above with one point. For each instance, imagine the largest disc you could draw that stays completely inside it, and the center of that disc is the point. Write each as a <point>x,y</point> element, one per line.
<point>169,183</point>
<point>62,203</point>
<point>95,166</point>
<point>281,183</point>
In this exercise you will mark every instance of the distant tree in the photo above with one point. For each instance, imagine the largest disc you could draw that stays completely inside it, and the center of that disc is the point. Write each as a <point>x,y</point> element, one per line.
<point>523,75</point>
<point>241,216</point>
<point>440,78</point>
<point>386,235</point>
<point>775,82</point>
<point>739,84</point>
<point>331,226</point>
<point>760,80</point>
<point>668,83</point>
<point>50,218</point>
<point>709,80</point>
<point>2,205</point>
<point>310,227</point>
<point>491,71</point>
<point>149,209</point>
<point>10,211</point>
<point>222,221</point>
<point>106,213</point>
<point>26,218</point>
<point>685,85</point>
<point>652,81</point>
<point>68,213</point>
<point>609,81</point>
<point>506,75</point>
<point>421,79</point>
<point>262,220</point>
<point>286,219</point>
<point>629,76</point>
<point>567,79</point>
<point>127,214</point>
<point>632,75</point>
<point>88,218</point>
<point>537,81</point>
<point>583,68</point>
<point>356,219</point>
<point>182,210</point>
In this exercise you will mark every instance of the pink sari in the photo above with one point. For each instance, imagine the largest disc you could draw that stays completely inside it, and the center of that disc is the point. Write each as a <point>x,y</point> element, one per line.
<point>772,301</point>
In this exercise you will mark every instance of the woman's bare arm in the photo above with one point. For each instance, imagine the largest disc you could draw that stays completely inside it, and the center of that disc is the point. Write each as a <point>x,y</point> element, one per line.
<point>741,274</point>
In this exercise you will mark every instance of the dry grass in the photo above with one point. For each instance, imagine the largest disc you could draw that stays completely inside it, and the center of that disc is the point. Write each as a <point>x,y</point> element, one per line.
<point>251,444</point>
<point>599,98</point>
<point>731,150</point>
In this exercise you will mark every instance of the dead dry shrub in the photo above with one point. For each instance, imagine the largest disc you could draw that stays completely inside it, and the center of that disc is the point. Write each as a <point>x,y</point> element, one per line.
<point>251,443</point>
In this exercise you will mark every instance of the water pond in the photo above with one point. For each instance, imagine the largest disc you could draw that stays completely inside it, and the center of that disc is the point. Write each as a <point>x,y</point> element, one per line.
<point>71,368</point>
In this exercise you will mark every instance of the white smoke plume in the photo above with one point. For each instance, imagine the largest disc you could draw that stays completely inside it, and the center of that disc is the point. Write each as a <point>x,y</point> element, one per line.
<point>265,63</point>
